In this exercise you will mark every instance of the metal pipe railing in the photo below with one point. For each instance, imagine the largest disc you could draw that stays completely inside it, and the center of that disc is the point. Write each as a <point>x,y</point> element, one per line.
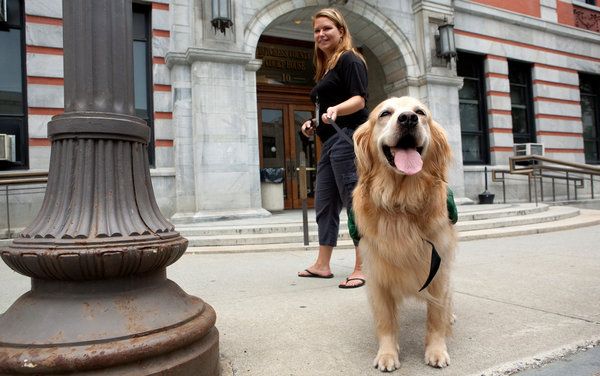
<point>502,179</point>
<point>537,167</point>
<point>11,179</point>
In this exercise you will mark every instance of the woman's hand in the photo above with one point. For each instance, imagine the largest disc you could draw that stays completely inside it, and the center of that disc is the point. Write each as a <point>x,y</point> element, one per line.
<point>308,128</point>
<point>330,115</point>
<point>347,107</point>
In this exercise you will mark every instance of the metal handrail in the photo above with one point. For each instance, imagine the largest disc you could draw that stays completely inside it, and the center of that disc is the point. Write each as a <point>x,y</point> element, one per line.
<point>539,167</point>
<point>23,175</point>
<point>575,167</point>
<point>498,176</point>
<point>19,178</point>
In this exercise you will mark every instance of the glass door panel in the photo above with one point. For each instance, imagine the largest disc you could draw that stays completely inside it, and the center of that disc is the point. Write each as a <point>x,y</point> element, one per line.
<point>277,148</point>
<point>303,148</point>
<point>272,150</point>
<point>281,113</point>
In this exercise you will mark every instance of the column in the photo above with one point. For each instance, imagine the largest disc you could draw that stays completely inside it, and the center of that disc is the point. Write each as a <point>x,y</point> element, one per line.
<point>98,250</point>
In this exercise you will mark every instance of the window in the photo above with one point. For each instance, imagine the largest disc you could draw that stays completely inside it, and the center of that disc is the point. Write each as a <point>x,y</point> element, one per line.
<point>142,70</point>
<point>13,114</point>
<point>591,2</point>
<point>589,87</point>
<point>519,76</point>
<point>473,120</point>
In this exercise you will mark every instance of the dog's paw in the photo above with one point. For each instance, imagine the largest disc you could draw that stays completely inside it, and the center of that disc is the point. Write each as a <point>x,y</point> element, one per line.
<point>437,357</point>
<point>387,362</point>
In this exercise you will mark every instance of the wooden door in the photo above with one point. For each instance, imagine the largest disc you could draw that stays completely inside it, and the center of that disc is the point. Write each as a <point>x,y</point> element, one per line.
<point>281,144</point>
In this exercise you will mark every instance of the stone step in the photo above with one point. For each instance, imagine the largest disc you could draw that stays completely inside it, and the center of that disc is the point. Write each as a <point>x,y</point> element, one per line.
<point>258,239</point>
<point>584,219</point>
<point>466,214</point>
<point>293,233</point>
<point>549,214</point>
<point>482,212</point>
<point>524,220</point>
<point>264,229</point>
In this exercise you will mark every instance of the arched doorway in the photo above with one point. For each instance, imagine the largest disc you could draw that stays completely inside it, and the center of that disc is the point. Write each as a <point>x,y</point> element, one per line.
<point>283,81</point>
<point>283,87</point>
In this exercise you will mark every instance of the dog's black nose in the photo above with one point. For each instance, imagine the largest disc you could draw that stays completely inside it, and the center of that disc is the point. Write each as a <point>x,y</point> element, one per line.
<point>408,119</point>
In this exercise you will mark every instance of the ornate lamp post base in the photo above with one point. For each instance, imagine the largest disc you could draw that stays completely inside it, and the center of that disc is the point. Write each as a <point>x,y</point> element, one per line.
<point>137,325</point>
<point>97,252</point>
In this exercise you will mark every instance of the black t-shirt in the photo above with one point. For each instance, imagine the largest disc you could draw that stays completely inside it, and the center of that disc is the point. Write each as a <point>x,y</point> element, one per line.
<point>347,79</point>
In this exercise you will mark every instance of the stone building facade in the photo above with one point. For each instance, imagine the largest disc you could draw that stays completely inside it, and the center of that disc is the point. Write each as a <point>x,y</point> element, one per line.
<point>225,103</point>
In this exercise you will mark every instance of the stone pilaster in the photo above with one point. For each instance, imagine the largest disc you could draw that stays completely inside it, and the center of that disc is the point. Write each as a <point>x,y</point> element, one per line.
<point>499,109</point>
<point>224,141</point>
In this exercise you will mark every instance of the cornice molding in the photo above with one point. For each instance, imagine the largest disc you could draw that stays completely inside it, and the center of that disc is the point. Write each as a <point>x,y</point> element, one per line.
<point>254,65</point>
<point>194,54</point>
<point>432,7</point>
<point>428,79</point>
<point>436,79</point>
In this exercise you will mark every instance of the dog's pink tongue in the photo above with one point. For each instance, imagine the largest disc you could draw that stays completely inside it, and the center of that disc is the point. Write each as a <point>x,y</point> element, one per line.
<point>408,161</point>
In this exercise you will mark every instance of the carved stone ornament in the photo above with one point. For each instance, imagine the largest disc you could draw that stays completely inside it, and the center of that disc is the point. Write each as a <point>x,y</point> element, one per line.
<point>587,19</point>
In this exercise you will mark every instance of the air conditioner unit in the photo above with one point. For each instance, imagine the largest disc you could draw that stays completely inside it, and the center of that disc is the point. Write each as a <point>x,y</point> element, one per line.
<point>528,149</point>
<point>7,147</point>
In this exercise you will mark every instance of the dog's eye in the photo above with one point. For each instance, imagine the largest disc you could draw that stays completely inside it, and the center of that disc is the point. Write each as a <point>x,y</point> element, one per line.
<point>384,113</point>
<point>420,112</point>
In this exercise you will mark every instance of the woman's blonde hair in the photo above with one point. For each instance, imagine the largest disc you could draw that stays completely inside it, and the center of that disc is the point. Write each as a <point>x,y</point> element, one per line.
<point>322,65</point>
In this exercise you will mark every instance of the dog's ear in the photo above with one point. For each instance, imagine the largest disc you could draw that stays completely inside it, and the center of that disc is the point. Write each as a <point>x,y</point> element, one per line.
<point>362,139</point>
<point>439,153</point>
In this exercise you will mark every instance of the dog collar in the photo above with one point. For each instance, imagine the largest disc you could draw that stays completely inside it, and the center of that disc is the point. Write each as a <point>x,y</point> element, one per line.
<point>436,260</point>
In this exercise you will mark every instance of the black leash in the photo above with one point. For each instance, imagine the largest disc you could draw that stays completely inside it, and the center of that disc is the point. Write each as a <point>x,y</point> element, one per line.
<point>335,126</point>
<point>340,132</point>
<point>436,260</point>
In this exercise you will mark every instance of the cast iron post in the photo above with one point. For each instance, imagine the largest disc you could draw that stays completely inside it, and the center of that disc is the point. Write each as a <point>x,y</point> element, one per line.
<point>97,252</point>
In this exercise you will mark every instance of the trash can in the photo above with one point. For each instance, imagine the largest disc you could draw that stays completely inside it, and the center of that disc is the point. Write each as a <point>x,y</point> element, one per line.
<point>271,188</point>
<point>486,198</point>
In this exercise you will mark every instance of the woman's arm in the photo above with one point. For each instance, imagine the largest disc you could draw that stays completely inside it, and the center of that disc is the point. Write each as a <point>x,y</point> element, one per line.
<point>347,107</point>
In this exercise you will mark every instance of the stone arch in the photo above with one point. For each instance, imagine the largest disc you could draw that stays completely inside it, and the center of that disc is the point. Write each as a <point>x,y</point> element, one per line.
<point>392,48</point>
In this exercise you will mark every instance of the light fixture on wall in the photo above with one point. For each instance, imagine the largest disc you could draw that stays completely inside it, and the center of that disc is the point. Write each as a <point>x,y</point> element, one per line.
<point>445,41</point>
<point>221,15</point>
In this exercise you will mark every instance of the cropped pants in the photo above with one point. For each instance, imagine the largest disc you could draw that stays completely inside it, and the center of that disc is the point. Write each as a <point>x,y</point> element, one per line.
<point>336,179</point>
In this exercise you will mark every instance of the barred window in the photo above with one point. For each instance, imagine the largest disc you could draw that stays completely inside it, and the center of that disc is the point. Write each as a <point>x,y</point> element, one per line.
<point>473,119</point>
<point>519,76</point>
<point>589,87</point>
<point>142,70</point>
<point>13,98</point>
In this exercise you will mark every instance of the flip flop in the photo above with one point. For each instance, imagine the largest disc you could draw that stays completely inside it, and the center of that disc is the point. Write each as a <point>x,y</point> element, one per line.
<point>362,283</point>
<point>314,275</point>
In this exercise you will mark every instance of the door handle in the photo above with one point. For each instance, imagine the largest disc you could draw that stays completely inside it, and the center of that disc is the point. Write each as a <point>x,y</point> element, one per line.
<point>289,168</point>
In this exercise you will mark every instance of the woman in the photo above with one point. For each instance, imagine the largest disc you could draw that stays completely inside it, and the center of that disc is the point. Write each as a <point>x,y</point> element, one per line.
<point>340,95</point>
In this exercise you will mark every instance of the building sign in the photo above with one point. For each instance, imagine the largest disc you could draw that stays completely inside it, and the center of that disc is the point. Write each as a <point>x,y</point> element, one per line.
<point>284,64</point>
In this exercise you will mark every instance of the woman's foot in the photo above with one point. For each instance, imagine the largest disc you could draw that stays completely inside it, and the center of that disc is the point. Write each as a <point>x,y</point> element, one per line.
<point>354,280</point>
<point>315,273</point>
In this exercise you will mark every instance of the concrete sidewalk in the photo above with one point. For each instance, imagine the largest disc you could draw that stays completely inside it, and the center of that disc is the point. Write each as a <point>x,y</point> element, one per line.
<point>519,302</point>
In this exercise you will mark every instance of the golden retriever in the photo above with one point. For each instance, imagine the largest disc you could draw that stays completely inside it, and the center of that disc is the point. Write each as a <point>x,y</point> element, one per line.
<point>402,158</point>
